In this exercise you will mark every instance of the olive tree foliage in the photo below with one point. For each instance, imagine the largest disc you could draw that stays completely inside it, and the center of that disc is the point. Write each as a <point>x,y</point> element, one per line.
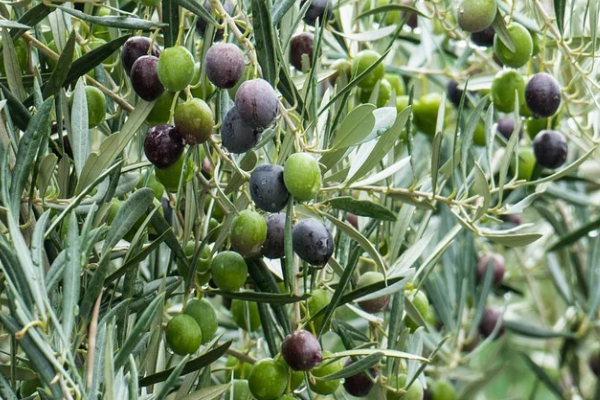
<point>85,295</point>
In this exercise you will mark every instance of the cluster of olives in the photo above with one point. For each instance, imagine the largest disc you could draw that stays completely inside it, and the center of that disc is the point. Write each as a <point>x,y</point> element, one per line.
<point>197,325</point>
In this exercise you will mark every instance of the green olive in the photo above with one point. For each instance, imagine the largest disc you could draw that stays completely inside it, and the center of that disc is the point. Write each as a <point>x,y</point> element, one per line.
<point>526,163</point>
<point>245,314</point>
<point>302,176</point>
<point>183,335</point>
<point>205,316</point>
<point>397,392</point>
<point>327,367</point>
<point>506,87</point>
<point>363,61</point>
<point>523,47</point>
<point>383,94</point>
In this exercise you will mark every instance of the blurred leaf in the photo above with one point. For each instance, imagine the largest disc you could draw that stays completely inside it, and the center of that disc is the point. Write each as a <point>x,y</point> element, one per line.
<point>172,379</point>
<point>261,297</point>
<point>467,134</point>
<point>367,352</point>
<point>363,208</point>
<point>280,8</point>
<point>6,392</point>
<point>18,112</point>
<point>197,9</point>
<point>12,24</point>
<point>208,393</point>
<point>483,189</point>
<point>355,127</point>
<point>514,240</point>
<point>80,133</point>
<point>57,79</point>
<point>71,277</point>
<point>194,365</point>
<point>265,42</point>
<point>502,32</point>
<point>170,16</point>
<point>559,10</point>
<point>112,20</point>
<point>390,8</point>
<point>38,128</point>
<point>31,18</point>
<point>369,36</point>
<point>541,374</point>
<point>356,367</point>
<point>533,331</point>
<point>575,235</point>
<point>11,66</point>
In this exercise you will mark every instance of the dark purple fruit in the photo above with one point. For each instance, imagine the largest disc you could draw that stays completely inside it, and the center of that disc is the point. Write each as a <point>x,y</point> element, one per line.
<point>594,363</point>
<point>236,136</point>
<point>484,38</point>
<point>542,95</point>
<point>317,10</point>
<point>257,103</point>
<point>301,44</point>
<point>201,23</point>
<point>359,385</point>
<point>497,262</point>
<point>454,94</point>
<point>135,48</point>
<point>163,145</point>
<point>267,189</point>
<point>273,247</point>
<point>490,318</point>
<point>352,219</point>
<point>506,127</point>
<point>550,149</point>
<point>301,351</point>
<point>514,219</point>
<point>312,242</point>
<point>224,65</point>
<point>144,78</point>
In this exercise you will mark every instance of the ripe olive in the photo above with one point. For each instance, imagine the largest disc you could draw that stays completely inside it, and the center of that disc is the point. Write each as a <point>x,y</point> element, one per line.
<point>300,45</point>
<point>224,65</point>
<point>245,314</point>
<point>236,136</point>
<point>506,127</point>
<point>161,111</point>
<point>454,94</point>
<point>489,320</point>
<point>144,78</point>
<point>317,10</point>
<point>302,176</point>
<point>319,299</point>
<point>542,95</point>
<point>273,247</point>
<point>363,61</point>
<point>248,233</point>
<point>170,177</point>
<point>505,85</point>
<point>523,47</point>
<point>384,94</point>
<point>183,335</point>
<point>373,305</point>
<point>175,68</point>
<point>497,263</point>
<point>312,242</point>
<point>163,145</point>
<point>301,350</point>
<point>229,271</point>
<point>425,113</point>
<point>327,367</point>
<point>201,23</point>
<point>257,103</point>
<point>134,48</point>
<point>397,390</point>
<point>267,380</point>
<point>484,38</point>
<point>205,316</point>
<point>267,188</point>
<point>550,149</point>
<point>194,121</point>
<point>525,162</point>
<point>476,15</point>
<point>359,385</point>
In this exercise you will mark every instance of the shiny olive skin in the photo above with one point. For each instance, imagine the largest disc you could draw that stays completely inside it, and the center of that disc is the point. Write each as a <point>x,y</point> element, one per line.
<point>359,385</point>
<point>301,44</point>
<point>205,316</point>
<point>542,95</point>
<point>240,310</point>
<point>229,270</point>
<point>144,78</point>
<point>274,246</point>
<point>163,145</point>
<point>326,368</point>
<point>504,86</point>
<point>224,65</point>
<point>134,48</point>
<point>506,127</point>
<point>257,103</point>
<point>175,68</point>
<point>267,188</point>
<point>484,38</point>
<point>236,136</point>
<point>312,242</point>
<point>302,176</point>
<point>201,24</point>
<point>476,15</point>
<point>523,47</point>
<point>183,335</point>
<point>550,149</point>
<point>194,121</point>
<point>301,350</point>
<point>267,380</point>
<point>248,233</point>
<point>318,10</point>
